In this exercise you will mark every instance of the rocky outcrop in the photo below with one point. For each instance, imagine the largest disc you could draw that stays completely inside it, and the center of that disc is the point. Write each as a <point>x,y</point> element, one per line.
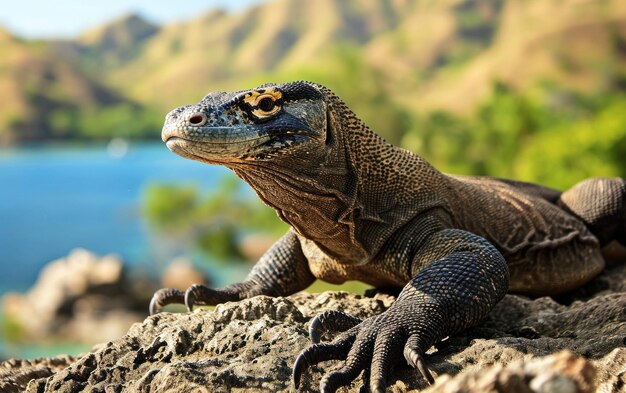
<point>80,298</point>
<point>540,345</point>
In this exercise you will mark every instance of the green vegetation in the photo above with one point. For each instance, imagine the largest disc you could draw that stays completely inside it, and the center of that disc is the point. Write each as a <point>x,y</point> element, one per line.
<point>349,286</point>
<point>213,224</point>
<point>556,138</point>
<point>120,120</point>
<point>531,90</point>
<point>566,152</point>
<point>11,329</point>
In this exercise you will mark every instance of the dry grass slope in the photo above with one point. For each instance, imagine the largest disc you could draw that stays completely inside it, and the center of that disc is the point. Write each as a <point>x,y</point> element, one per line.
<point>421,56</point>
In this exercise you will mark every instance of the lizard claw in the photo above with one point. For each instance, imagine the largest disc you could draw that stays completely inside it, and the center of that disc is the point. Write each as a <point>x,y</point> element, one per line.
<point>196,294</point>
<point>163,297</point>
<point>190,298</point>
<point>415,359</point>
<point>318,353</point>
<point>199,294</point>
<point>299,367</point>
<point>331,320</point>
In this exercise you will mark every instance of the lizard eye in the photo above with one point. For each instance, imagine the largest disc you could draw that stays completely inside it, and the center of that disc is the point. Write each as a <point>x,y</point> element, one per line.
<point>266,104</point>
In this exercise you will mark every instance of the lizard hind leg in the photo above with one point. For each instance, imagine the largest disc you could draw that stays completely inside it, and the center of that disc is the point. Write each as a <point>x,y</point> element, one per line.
<point>601,204</point>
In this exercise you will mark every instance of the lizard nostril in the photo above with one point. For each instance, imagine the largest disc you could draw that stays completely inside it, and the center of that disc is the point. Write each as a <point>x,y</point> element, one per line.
<point>197,119</point>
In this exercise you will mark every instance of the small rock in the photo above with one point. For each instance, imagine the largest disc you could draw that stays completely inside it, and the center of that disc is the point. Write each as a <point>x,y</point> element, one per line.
<point>80,298</point>
<point>181,274</point>
<point>551,383</point>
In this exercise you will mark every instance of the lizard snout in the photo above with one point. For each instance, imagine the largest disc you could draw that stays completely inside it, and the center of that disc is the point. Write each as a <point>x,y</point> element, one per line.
<point>178,121</point>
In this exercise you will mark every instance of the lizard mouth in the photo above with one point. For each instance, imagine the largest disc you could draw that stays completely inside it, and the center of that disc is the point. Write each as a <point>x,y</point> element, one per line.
<point>210,135</point>
<point>213,144</point>
<point>178,139</point>
<point>230,144</point>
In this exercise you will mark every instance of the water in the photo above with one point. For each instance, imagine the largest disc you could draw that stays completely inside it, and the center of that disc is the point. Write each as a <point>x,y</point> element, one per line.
<point>56,198</point>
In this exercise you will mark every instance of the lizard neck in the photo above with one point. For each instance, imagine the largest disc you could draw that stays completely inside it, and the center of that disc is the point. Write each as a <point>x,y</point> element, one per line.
<point>359,192</point>
<point>314,201</point>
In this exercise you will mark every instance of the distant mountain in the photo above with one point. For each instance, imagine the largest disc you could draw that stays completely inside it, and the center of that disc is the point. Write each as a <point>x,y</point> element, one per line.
<point>217,48</point>
<point>39,90</point>
<point>427,54</point>
<point>390,56</point>
<point>110,46</point>
<point>579,44</point>
<point>124,34</point>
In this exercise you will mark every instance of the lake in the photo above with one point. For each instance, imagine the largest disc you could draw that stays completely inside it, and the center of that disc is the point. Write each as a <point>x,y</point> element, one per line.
<point>54,198</point>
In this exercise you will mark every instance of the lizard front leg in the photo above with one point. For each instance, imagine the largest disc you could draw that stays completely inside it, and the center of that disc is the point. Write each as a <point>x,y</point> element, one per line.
<point>281,271</point>
<point>458,278</point>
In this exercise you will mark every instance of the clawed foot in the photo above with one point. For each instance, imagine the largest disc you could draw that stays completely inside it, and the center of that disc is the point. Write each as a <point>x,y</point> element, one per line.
<point>371,346</point>
<point>196,294</point>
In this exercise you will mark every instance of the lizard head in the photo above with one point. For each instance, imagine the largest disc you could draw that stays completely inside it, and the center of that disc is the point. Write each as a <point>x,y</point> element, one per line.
<point>304,153</point>
<point>268,123</point>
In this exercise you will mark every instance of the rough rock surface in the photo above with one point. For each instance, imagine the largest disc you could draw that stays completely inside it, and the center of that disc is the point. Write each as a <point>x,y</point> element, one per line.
<point>525,345</point>
<point>15,374</point>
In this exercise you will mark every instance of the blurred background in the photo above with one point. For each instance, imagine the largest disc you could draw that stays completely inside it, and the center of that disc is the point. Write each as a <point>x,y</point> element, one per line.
<point>526,89</point>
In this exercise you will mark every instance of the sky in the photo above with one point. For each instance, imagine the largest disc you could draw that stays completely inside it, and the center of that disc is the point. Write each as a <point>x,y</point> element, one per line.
<point>68,18</point>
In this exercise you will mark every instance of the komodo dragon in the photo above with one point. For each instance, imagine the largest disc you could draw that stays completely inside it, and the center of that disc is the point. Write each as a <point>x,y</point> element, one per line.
<point>363,209</point>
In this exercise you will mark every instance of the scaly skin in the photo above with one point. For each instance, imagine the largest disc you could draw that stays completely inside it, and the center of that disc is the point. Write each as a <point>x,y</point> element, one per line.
<point>362,209</point>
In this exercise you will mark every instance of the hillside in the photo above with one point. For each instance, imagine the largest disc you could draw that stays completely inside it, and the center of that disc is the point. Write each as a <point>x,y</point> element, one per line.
<point>219,49</point>
<point>396,62</point>
<point>108,47</point>
<point>578,44</point>
<point>52,90</point>
<point>40,92</point>
<point>426,54</point>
